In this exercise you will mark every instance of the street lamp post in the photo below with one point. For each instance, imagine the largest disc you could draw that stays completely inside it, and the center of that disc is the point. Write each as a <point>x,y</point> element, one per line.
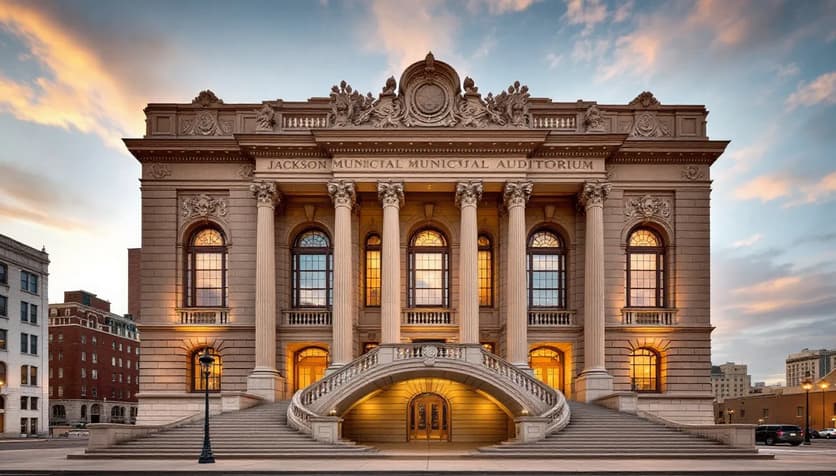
<point>823,386</point>
<point>807,384</point>
<point>206,361</point>
<point>730,413</point>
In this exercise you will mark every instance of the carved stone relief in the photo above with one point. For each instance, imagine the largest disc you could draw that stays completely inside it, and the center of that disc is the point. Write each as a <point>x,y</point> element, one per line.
<point>206,98</point>
<point>246,171</point>
<point>693,172</point>
<point>159,171</point>
<point>645,100</point>
<point>265,119</point>
<point>646,124</point>
<point>204,205</point>
<point>595,193</point>
<point>429,96</point>
<point>206,123</point>
<point>516,194</point>
<point>593,120</point>
<point>468,193</point>
<point>647,207</point>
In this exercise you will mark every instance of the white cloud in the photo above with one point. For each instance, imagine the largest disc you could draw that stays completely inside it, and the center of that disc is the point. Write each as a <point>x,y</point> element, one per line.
<point>821,90</point>
<point>795,190</point>
<point>747,242</point>
<point>553,60</point>
<point>623,12</point>
<point>586,12</point>
<point>500,7</point>
<point>766,188</point>
<point>588,50</point>
<point>785,70</point>
<point>77,90</point>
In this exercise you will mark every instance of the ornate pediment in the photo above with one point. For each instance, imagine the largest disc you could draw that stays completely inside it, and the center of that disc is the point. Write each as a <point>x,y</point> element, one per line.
<point>429,95</point>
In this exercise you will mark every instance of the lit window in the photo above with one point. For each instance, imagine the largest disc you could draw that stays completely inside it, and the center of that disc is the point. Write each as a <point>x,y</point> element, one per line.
<point>373,243</point>
<point>485,265</point>
<point>644,370</point>
<point>206,269</point>
<point>645,269</point>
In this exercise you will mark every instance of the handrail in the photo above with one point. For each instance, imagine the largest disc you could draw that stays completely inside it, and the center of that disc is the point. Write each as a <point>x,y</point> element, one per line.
<point>552,404</point>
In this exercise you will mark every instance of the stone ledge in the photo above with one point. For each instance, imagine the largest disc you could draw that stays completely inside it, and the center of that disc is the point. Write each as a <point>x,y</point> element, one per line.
<point>735,435</point>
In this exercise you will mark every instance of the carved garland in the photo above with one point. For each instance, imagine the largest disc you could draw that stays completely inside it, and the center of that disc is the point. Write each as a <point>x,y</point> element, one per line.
<point>203,206</point>
<point>648,207</point>
<point>159,171</point>
<point>693,172</point>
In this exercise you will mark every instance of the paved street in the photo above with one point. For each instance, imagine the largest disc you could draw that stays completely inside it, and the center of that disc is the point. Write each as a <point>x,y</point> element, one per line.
<point>819,459</point>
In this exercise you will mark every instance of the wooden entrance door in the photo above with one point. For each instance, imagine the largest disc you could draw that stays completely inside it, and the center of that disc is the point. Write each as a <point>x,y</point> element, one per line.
<point>429,418</point>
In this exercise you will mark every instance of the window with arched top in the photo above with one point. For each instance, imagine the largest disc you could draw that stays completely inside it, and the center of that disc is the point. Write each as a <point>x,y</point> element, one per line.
<point>373,243</point>
<point>645,370</point>
<point>547,365</point>
<point>429,269</point>
<point>645,269</point>
<point>485,270</point>
<point>206,269</point>
<point>198,383</point>
<point>546,270</point>
<point>312,270</point>
<point>309,366</point>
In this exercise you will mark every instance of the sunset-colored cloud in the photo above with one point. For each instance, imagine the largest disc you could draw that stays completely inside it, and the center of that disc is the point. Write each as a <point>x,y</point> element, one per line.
<point>821,90</point>
<point>636,53</point>
<point>29,197</point>
<point>77,90</point>
<point>746,242</point>
<point>500,7</point>
<point>585,12</point>
<point>766,188</point>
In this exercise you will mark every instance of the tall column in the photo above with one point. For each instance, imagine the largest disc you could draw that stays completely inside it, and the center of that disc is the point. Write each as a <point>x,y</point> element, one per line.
<point>468,195</point>
<point>516,322</point>
<point>594,382</point>
<point>391,195</point>
<point>343,195</point>
<point>264,380</point>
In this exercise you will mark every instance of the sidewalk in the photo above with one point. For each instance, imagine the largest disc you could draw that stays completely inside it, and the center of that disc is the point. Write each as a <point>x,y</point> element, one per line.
<point>789,460</point>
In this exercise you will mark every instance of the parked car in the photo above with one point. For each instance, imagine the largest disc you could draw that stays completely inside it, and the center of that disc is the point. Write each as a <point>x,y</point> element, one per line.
<point>771,434</point>
<point>827,433</point>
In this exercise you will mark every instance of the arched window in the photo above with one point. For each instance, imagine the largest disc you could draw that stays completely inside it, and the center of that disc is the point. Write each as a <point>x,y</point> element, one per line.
<point>546,265</point>
<point>547,364</point>
<point>3,380</point>
<point>644,370</point>
<point>311,363</point>
<point>312,270</point>
<point>645,269</point>
<point>485,264</point>
<point>83,412</point>
<point>206,269</point>
<point>373,243</point>
<point>429,269</point>
<point>215,371</point>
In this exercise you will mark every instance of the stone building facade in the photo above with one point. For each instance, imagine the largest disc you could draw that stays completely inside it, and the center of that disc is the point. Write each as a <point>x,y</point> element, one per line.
<point>730,380</point>
<point>94,362</point>
<point>24,276</point>
<point>434,233</point>
<point>814,364</point>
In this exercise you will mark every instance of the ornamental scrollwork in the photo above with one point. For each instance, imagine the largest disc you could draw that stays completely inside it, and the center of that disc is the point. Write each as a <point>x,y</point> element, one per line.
<point>648,207</point>
<point>206,98</point>
<point>342,193</point>
<point>390,193</point>
<point>265,193</point>
<point>516,194</point>
<point>246,171</point>
<point>468,194</point>
<point>646,124</point>
<point>347,105</point>
<point>595,193</point>
<point>646,100</point>
<point>693,172</point>
<point>159,171</point>
<point>206,123</point>
<point>203,206</point>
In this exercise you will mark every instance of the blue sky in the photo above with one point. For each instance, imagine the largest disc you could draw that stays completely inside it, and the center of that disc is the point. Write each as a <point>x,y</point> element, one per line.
<point>74,77</point>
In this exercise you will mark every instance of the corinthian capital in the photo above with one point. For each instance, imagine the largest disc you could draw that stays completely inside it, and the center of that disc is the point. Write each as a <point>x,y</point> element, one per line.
<point>594,193</point>
<point>265,192</point>
<point>342,193</point>
<point>517,193</point>
<point>468,194</point>
<point>390,193</point>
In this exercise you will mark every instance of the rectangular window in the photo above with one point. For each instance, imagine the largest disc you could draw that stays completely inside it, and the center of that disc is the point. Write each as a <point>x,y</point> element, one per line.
<point>95,392</point>
<point>33,314</point>
<point>3,335</point>
<point>24,403</point>
<point>4,273</point>
<point>373,278</point>
<point>113,361</point>
<point>60,391</point>
<point>28,282</point>
<point>33,375</point>
<point>24,375</point>
<point>60,372</point>
<point>84,390</point>
<point>113,377</point>
<point>33,426</point>
<point>33,403</point>
<point>485,265</point>
<point>95,358</point>
<point>24,311</point>
<point>94,374</point>
<point>83,356</point>
<point>83,339</point>
<point>799,411</point>
<point>765,413</point>
<point>33,345</point>
<point>24,343</point>
<point>24,426</point>
<point>4,306</point>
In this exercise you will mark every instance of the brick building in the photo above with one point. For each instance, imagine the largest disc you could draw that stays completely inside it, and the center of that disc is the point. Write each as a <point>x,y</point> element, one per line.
<point>94,362</point>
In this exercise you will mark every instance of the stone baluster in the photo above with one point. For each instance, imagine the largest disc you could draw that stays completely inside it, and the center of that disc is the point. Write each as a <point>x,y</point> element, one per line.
<point>264,380</point>
<point>594,382</point>
<point>468,195</point>
<point>516,322</point>
<point>343,195</point>
<point>391,195</point>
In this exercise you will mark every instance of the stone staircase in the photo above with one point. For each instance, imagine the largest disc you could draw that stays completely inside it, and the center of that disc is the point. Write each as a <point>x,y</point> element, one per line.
<point>255,433</point>
<point>598,432</point>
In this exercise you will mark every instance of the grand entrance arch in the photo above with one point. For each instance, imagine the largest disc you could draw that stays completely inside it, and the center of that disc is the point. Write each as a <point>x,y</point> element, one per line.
<point>429,418</point>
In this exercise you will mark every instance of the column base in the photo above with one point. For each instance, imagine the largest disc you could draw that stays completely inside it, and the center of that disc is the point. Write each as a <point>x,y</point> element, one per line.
<point>267,384</point>
<point>592,385</point>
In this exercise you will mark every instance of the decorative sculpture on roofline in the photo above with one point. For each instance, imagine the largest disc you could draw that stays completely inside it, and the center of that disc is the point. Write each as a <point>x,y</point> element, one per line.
<point>429,96</point>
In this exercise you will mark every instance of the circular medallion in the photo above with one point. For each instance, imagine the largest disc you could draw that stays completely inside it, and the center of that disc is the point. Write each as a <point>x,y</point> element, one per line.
<point>429,351</point>
<point>429,98</point>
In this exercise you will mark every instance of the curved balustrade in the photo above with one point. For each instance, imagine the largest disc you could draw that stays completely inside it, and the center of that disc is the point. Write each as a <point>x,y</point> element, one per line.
<point>546,401</point>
